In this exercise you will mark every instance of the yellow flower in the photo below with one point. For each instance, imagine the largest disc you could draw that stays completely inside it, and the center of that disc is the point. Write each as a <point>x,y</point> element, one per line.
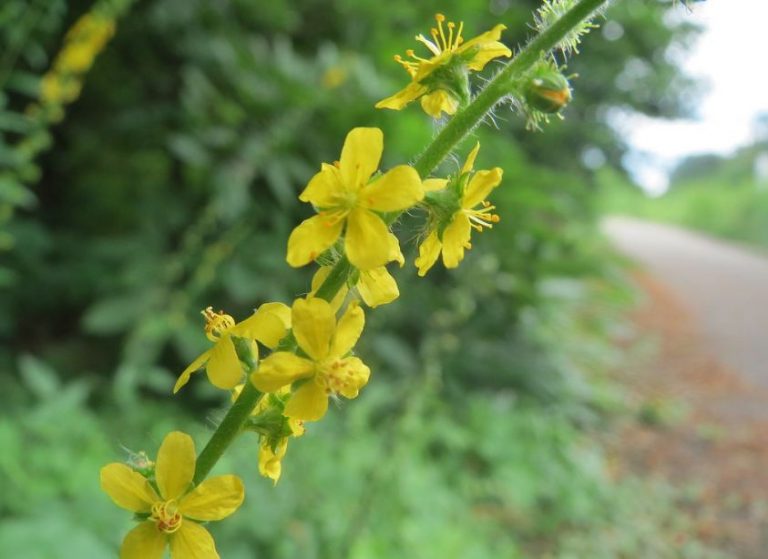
<point>272,447</point>
<point>327,370</point>
<point>451,236</point>
<point>272,451</point>
<point>269,324</point>
<point>348,201</point>
<point>434,79</point>
<point>171,506</point>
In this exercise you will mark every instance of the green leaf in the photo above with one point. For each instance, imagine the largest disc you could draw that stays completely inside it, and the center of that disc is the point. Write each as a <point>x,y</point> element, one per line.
<point>38,377</point>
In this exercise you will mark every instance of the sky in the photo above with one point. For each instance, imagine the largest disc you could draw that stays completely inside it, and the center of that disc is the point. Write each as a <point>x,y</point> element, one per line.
<point>730,58</point>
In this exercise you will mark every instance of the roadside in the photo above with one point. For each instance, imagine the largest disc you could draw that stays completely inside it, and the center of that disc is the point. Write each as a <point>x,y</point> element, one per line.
<point>703,428</point>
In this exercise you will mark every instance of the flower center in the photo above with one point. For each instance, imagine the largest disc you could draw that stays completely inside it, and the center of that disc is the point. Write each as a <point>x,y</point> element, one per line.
<point>166,516</point>
<point>443,42</point>
<point>216,323</point>
<point>336,376</point>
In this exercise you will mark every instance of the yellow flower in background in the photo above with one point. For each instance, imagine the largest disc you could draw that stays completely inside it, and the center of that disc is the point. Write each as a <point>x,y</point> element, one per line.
<point>83,42</point>
<point>269,324</point>
<point>452,236</point>
<point>348,201</point>
<point>172,506</point>
<point>327,370</point>
<point>434,80</point>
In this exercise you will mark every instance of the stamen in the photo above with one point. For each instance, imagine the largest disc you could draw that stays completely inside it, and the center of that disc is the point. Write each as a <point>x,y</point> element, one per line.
<point>459,38</point>
<point>216,323</point>
<point>451,25</point>
<point>166,516</point>
<point>482,218</point>
<point>442,34</point>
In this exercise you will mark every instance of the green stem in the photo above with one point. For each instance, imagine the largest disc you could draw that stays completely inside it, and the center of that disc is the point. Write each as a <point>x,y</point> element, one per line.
<point>335,280</point>
<point>454,132</point>
<point>470,117</point>
<point>233,422</point>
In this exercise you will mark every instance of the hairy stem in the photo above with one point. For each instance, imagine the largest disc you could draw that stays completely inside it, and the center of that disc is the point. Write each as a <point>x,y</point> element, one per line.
<point>237,415</point>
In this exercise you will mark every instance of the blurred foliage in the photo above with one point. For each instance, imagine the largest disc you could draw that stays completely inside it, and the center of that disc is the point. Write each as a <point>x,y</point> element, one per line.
<point>171,185</point>
<point>726,196</point>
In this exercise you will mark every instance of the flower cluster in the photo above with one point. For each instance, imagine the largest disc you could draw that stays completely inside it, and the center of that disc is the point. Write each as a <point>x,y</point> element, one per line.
<point>284,365</point>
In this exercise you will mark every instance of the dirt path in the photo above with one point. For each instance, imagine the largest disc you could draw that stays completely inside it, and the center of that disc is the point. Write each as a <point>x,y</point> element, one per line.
<point>724,286</point>
<point>706,428</point>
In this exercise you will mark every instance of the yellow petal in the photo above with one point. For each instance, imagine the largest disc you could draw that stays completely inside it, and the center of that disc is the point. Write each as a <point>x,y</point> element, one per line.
<point>486,53</point>
<point>269,461</point>
<point>317,280</point>
<point>175,465</point>
<point>325,189</point>
<point>269,324</point>
<point>395,254</point>
<point>367,240</point>
<point>213,499</point>
<point>412,91</point>
<point>430,185</point>
<point>358,374</point>
<point>360,156</point>
<point>439,101</point>
<point>192,541</point>
<point>224,369</point>
<point>480,186</point>
<point>297,427</point>
<point>455,240</point>
<point>348,330</point>
<point>311,238</point>
<point>377,287</point>
<point>199,361</point>
<point>399,189</point>
<point>309,402</point>
<point>487,37</point>
<point>145,541</point>
<point>127,488</point>
<point>313,324</point>
<point>281,369</point>
<point>429,250</point>
<point>469,164</point>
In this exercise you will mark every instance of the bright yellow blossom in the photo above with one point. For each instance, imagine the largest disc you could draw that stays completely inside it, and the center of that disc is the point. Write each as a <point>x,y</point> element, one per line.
<point>348,201</point>
<point>269,324</point>
<point>434,79</point>
<point>327,370</point>
<point>452,236</point>
<point>171,506</point>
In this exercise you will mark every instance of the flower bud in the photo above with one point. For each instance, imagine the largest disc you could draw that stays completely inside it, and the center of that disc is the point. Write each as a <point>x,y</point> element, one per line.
<point>547,90</point>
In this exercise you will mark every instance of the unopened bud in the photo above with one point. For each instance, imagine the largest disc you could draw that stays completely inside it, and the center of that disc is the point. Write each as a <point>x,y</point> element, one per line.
<point>548,91</point>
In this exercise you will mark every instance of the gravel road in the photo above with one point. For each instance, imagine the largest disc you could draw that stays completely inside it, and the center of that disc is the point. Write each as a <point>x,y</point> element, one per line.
<point>724,286</point>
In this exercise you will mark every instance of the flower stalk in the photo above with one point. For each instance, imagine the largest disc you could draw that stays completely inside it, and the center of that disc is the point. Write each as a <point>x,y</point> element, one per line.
<point>463,122</point>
